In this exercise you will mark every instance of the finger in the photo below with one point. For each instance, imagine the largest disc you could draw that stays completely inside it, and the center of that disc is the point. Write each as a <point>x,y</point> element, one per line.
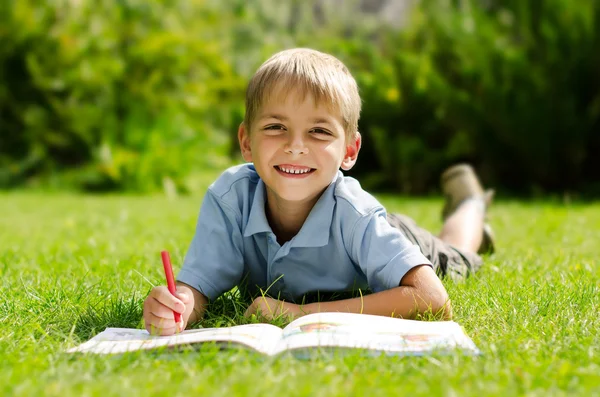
<point>160,310</point>
<point>250,311</point>
<point>183,296</point>
<point>180,326</point>
<point>163,296</point>
<point>160,326</point>
<point>159,322</point>
<point>268,315</point>
<point>165,330</point>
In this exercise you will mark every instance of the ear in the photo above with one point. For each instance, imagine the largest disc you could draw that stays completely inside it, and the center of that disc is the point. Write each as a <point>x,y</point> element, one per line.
<point>244,141</point>
<point>352,150</point>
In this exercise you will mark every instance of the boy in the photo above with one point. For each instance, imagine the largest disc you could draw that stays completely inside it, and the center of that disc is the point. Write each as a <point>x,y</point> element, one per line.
<point>289,223</point>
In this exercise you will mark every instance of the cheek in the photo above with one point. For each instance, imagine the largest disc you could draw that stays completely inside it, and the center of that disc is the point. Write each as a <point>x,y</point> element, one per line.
<point>264,146</point>
<point>264,149</point>
<point>335,152</point>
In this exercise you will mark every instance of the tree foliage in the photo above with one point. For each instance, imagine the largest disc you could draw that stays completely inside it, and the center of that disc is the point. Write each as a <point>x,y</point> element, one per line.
<point>137,95</point>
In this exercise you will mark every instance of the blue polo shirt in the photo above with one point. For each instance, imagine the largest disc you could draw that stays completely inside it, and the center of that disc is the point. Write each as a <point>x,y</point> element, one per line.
<point>346,242</point>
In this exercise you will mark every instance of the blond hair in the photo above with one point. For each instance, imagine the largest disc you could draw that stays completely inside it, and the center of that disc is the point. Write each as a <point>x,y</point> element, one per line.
<point>312,72</point>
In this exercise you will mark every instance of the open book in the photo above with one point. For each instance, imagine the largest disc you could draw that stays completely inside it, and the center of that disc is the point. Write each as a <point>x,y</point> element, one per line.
<point>320,330</point>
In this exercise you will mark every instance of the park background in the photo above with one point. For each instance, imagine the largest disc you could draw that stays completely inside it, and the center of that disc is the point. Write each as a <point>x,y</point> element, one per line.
<point>115,116</point>
<point>142,96</point>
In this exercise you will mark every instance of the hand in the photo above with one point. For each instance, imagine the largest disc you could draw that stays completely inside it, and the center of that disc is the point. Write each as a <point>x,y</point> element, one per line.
<point>270,309</point>
<point>159,307</point>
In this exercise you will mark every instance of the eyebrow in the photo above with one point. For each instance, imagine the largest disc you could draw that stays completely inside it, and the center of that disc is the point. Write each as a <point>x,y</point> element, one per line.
<point>274,116</point>
<point>317,120</point>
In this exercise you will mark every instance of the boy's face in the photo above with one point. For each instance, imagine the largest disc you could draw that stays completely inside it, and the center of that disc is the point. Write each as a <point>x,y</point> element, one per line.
<point>297,147</point>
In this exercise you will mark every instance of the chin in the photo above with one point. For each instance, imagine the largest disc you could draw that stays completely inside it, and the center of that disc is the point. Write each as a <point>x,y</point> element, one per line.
<point>297,193</point>
<point>295,196</point>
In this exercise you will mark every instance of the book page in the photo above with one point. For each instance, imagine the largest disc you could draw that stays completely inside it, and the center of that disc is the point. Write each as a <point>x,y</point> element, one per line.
<point>376,333</point>
<point>260,337</point>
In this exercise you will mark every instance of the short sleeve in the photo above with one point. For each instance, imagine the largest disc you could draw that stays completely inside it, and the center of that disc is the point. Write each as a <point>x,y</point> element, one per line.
<point>383,253</point>
<point>214,261</point>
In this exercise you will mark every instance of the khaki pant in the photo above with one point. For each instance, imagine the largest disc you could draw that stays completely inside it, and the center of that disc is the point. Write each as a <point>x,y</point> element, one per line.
<point>446,260</point>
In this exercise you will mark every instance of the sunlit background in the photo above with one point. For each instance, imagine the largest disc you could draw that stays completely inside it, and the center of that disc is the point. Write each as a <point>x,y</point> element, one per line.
<point>146,96</point>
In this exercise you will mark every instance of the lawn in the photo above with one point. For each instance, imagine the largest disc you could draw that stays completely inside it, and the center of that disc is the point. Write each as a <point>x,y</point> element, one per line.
<point>72,265</point>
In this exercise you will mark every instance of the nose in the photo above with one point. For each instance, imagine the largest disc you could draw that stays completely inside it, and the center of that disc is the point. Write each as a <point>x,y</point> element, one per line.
<point>295,145</point>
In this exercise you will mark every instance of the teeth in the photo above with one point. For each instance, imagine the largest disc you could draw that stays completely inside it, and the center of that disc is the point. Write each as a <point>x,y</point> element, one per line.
<point>290,171</point>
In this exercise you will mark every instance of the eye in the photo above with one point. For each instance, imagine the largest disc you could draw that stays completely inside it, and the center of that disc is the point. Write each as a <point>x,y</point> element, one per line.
<point>274,130</point>
<point>274,127</point>
<point>321,131</point>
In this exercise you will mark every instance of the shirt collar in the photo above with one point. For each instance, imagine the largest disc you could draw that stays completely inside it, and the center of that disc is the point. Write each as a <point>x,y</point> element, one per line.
<point>257,219</point>
<point>315,230</point>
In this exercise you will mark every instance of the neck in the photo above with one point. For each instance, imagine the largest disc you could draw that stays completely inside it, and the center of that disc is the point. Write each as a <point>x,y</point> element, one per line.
<point>287,217</point>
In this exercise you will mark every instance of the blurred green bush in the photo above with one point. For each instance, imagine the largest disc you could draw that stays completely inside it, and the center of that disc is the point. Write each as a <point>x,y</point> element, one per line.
<point>512,87</point>
<point>137,95</point>
<point>104,95</point>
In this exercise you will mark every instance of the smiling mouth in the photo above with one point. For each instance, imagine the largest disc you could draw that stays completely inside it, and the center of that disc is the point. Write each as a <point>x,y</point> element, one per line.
<point>294,170</point>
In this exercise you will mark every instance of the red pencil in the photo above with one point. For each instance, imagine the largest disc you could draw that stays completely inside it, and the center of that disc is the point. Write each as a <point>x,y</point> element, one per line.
<point>170,279</point>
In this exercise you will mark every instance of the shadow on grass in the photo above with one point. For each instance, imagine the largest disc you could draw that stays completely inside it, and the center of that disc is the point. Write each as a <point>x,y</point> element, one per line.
<point>118,312</point>
<point>226,311</point>
<point>127,312</point>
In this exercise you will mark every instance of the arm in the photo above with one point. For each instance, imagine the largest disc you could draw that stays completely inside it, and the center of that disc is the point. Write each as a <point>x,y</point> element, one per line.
<point>420,291</point>
<point>406,284</point>
<point>214,261</point>
<point>194,310</point>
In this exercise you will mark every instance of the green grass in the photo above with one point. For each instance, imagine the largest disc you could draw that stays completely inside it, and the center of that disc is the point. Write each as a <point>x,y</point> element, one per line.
<point>71,265</point>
